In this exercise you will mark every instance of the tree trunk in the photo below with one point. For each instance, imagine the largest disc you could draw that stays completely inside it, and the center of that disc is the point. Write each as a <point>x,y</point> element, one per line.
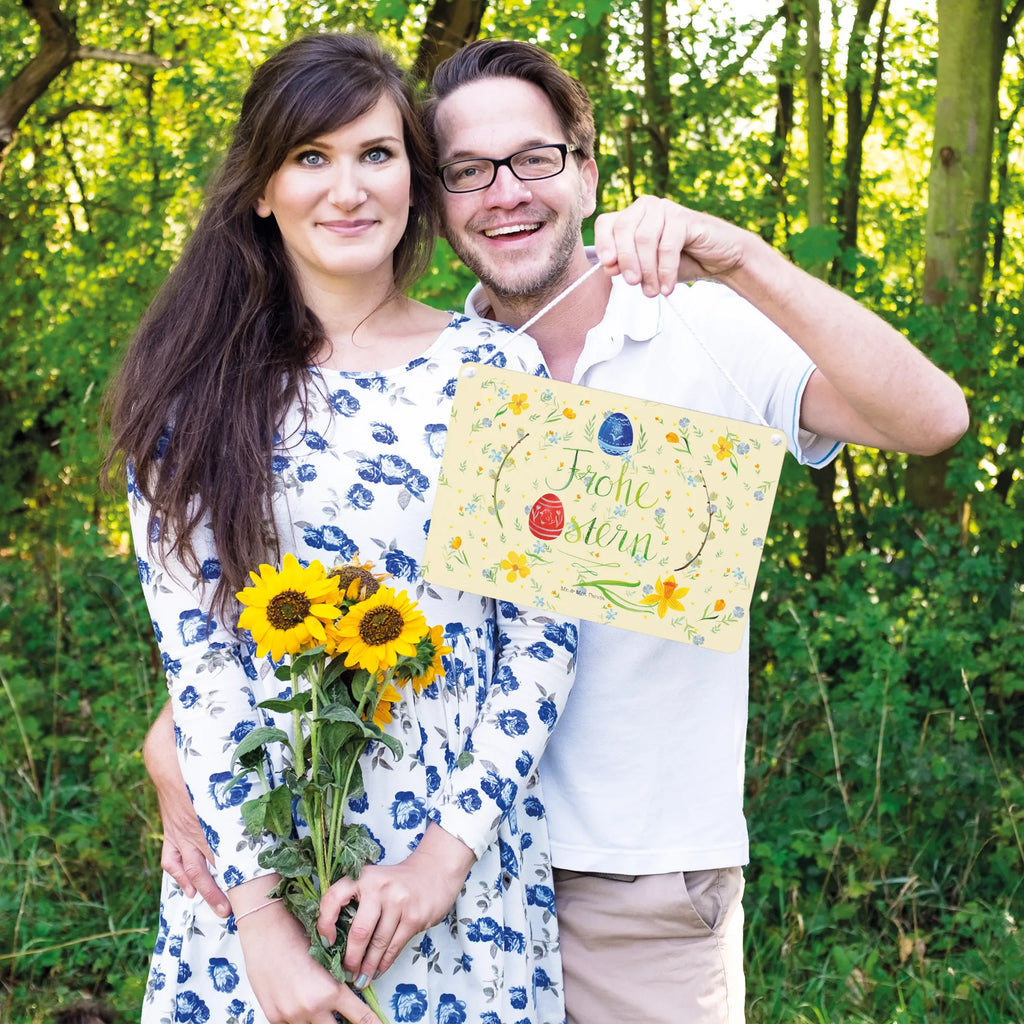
<point>816,148</point>
<point>657,93</point>
<point>959,184</point>
<point>858,119</point>
<point>451,24</point>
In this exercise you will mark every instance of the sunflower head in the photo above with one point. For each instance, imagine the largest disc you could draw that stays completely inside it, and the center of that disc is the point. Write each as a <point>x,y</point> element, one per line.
<point>356,581</point>
<point>426,665</point>
<point>286,611</point>
<point>376,631</point>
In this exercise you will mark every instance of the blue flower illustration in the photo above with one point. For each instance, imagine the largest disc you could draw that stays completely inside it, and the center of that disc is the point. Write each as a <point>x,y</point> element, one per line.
<point>345,403</point>
<point>190,1009</point>
<point>513,723</point>
<point>409,1003</point>
<point>359,496</point>
<point>407,811</point>
<point>223,974</point>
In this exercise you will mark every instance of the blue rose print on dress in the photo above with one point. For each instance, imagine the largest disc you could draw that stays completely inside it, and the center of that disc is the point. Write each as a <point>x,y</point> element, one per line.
<point>171,665</point>
<point>469,800</point>
<point>541,896</point>
<point>190,1009</point>
<point>225,797</point>
<point>144,571</point>
<point>359,497</point>
<point>509,860</point>
<point>505,678</point>
<point>330,538</point>
<point>344,403</point>
<point>189,697</point>
<point>279,463</point>
<point>547,713</point>
<point>195,626</point>
<point>306,473</point>
<point>517,997</point>
<point>184,972</point>
<point>534,807</point>
<point>407,810</point>
<point>524,762</point>
<point>564,634</point>
<point>435,436</point>
<point>433,780</point>
<point>409,1003</point>
<point>223,974</point>
<point>401,566</point>
<point>450,1010</point>
<point>378,382</point>
<point>383,433</point>
<point>233,877</point>
<point>541,651</point>
<point>417,484</point>
<point>513,723</point>
<point>501,791</point>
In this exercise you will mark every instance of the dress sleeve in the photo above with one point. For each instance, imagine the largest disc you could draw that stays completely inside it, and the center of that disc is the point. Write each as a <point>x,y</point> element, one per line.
<point>535,669</point>
<point>210,676</point>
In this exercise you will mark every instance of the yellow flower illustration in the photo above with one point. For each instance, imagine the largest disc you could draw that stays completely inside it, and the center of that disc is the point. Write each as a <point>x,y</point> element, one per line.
<point>569,414</point>
<point>456,543</point>
<point>722,450</point>
<point>514,564</point>
<point>517,403</point>
<point>666,595</point>
<point>719,605</point>
<point>672,437</point>
<point>376,631</point>
<point>287,611</point>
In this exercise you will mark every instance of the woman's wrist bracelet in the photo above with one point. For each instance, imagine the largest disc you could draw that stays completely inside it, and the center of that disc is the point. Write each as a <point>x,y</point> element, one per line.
<point>252,910</point>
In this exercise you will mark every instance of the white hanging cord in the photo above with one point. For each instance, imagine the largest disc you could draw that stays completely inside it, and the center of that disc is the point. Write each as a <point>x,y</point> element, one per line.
<point>721,369</point>
<point>671,305</point>
<point>558,298</point>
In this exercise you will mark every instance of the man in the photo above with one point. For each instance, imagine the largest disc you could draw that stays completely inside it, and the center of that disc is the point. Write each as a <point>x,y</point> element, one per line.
<point>645,815</point>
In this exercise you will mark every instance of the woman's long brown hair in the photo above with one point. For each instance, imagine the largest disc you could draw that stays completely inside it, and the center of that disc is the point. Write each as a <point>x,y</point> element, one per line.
<point>224,349</point>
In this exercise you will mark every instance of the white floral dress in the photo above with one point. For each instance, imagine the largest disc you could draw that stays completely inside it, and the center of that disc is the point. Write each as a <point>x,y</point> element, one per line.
<point>358,475</point>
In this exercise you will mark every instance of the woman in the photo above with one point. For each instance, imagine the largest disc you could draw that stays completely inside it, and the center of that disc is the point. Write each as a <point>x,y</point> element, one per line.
<point>307,400</point>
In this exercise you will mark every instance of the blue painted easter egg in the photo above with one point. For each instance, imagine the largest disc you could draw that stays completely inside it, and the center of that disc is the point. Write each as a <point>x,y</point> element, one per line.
<point>616,434</point>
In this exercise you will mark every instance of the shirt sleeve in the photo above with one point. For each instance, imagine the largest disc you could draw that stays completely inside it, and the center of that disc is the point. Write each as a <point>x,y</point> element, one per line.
<point>210,676</point>
<point>535,669</point>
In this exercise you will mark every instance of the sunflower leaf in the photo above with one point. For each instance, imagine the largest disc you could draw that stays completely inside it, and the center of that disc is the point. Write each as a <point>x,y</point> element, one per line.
<point>254,742</point>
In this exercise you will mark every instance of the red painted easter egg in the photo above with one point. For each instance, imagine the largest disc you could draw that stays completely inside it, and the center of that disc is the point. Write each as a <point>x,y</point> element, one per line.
<point>547,517</point>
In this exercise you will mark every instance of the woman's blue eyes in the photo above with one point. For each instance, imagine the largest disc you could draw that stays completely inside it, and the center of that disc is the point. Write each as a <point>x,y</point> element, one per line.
<point>314,158</point>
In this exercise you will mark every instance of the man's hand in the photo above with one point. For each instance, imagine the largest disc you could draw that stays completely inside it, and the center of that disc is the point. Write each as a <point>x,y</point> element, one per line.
<point>658,243</point>
<point>396,902</point>
<point>186,856</point>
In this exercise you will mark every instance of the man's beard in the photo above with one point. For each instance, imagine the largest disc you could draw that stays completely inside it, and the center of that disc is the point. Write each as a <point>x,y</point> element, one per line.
<point>525,296</point>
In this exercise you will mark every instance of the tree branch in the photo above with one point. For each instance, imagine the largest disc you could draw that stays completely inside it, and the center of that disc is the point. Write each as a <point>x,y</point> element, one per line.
<point>59,49</point>
<point>140,60</point>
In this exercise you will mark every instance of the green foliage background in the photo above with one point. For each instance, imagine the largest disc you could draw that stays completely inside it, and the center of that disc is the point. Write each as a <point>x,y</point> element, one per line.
<point>886,738</point>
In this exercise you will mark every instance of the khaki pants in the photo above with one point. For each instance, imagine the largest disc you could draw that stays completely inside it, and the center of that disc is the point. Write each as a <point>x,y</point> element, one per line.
<point>652,949</point>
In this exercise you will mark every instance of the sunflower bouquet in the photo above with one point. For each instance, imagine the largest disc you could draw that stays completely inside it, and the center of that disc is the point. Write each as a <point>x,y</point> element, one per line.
<point>352,644</point>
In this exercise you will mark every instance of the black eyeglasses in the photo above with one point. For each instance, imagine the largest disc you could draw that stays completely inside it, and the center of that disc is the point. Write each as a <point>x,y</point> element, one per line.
<point>527,165</point>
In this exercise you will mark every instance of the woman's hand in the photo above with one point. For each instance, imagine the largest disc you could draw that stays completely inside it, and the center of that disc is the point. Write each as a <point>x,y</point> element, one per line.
<point>186,856</point>
<point>292,988</point>
<point>396,902</point>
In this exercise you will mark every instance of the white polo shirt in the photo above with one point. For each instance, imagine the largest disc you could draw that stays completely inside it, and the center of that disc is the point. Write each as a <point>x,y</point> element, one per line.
<point>644,772</point>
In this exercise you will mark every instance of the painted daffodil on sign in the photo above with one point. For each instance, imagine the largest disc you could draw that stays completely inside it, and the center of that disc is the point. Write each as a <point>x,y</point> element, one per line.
<point>666,595</point>
<point>353,644</point>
